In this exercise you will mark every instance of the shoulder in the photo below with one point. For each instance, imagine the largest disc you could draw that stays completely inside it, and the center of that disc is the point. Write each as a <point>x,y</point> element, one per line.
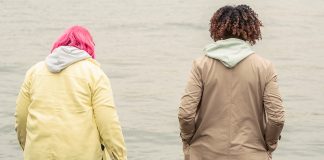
<point>265,65</point>
<point>260,63</point>
<point>33,70</point>
<point>201,63</point>
<point>202,60</point>
<point>259,60</point>
<point>91,65</point>
<point>35,67</point>
<point>89,62</point>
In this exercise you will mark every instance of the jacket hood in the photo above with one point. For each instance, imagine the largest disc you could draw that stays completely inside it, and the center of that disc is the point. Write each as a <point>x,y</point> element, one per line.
<point>229,51</point>
<point>63,56</point>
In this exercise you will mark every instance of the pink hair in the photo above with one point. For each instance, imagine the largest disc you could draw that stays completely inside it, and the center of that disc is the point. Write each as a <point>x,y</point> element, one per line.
<point>78,37</point>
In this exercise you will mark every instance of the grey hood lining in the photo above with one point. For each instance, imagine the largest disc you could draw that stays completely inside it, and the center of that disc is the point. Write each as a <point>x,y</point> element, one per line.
<point>64,56</point>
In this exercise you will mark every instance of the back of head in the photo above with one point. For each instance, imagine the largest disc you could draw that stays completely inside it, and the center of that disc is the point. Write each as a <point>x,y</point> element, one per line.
<point>235,22</point>
<point>78,37</point>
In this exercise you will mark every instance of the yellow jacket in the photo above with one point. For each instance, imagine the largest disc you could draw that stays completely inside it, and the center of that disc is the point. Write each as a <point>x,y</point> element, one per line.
<point>68,114</point>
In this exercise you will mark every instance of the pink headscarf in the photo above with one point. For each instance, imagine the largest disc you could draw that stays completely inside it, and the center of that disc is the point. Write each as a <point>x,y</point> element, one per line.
<point>78,37</point>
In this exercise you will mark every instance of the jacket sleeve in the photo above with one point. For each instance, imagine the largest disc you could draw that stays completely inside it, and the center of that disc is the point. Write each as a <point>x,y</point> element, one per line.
<point>107,119</point>
<point>189,104</point>
<point>274,110</point>
<point>22,103</point>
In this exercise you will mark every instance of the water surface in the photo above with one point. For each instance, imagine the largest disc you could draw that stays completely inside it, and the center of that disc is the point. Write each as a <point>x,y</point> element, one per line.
<point>146,47</point>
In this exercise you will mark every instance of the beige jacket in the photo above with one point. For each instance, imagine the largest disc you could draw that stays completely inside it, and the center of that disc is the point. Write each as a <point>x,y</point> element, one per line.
<point>68,114</point>
<point>231,113</point>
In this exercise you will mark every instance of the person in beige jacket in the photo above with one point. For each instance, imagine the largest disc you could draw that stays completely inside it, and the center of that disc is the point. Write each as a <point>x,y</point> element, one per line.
<point>65,109</point>
<point>231,108</point>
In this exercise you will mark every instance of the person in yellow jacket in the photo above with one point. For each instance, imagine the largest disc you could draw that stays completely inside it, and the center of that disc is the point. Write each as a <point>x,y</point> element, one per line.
<point>65,109</point>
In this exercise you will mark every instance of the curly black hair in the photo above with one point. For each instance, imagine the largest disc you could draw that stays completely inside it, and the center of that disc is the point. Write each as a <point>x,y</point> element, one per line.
<point>235,22</point>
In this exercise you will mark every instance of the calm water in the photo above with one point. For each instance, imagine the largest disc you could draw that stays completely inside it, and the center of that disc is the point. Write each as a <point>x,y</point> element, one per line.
<point>146,47</point>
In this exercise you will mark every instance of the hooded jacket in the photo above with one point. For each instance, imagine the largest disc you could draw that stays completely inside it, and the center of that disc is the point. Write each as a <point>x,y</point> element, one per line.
<point>231,108</point>
<point>65,110</point>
